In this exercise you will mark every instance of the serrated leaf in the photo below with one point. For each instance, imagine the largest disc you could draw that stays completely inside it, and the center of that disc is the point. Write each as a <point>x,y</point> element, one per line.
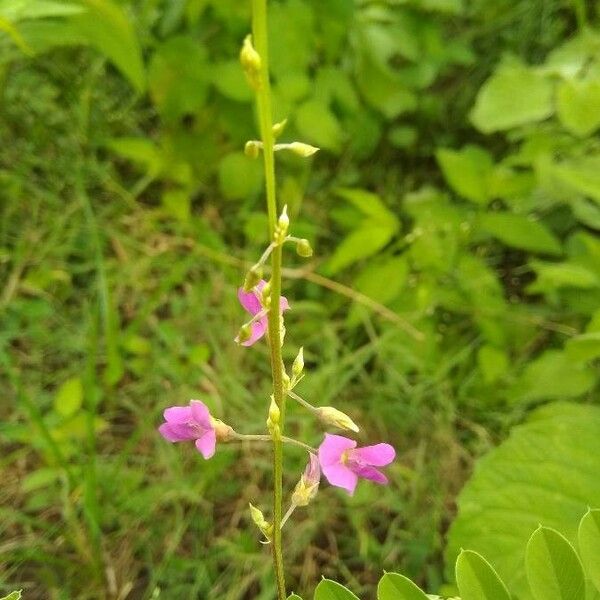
<point>589,545</point>
<point>331,590</point>
<point>69,397</point>
<point>514,95</point>
<point>546,472</point>
<point>578,106</point>
<point>517,231</point>
<point>477,579</point>
<point>554,570</point>
<point>467,171</point>
<point>393,586</point>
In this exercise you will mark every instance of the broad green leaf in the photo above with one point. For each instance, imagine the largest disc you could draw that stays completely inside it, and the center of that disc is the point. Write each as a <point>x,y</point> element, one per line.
<point>468,172</point>
<point>554,570</point>
<point>319,126</point>
<point>363,242</point>
<point>551,276</point>
<point>294,597</point>
<point>139,150</point>
<point>553,375</point>
<point>105,26</point>
<point>477,579</point>
<point>330,590</point>
<point>514,95</point>
<point>239,176</point>
<point>569,59</point>
<point>589,545</point>
<point>493,363</point>
<point>21,10</point>
<point>228,78</point>
<point>520,232</point>
<point>12,596</point>
<point>368,203</point>
<point>583,175</point>
<point>384,279</point>
<point>545,472</point>
<point>583,347</point>
<point>69,397</point>
<point>393,586</point>
<point>586,212</point>
<point>178,77</point>
<point>578,106</point>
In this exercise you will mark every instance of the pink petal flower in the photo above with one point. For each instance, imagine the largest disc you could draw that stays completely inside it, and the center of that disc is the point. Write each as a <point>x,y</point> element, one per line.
<point>186,423</point>
<point>343,463</point>
<point>251,301</point>
<point>312,472</point>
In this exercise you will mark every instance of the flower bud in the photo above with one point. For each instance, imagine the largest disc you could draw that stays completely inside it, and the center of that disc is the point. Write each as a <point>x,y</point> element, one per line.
<point>244,334</point>
<point>286,381</point>
<point>223,431</point>
<point>265,295</point>
<point>306,489</point>
<point>336,418</point>
<point>303,248</point>
<point>298,364</point>
<point>253,277</point>
<point>251,63</point>
<point>283,224</point>
<point>279,127</point>
<point>265,527</point>
<point>252,148</point>
<point>274,419</point>
<point>304,150</point>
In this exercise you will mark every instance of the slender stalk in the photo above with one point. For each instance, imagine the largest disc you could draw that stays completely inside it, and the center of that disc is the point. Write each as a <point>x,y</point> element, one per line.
<point>259,34</point>
<point>580,13</point>
<point>267,438</point>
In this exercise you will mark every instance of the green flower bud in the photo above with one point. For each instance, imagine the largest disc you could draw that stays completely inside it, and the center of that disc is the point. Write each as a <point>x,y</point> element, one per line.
<point>298,364</point>
<point>251,63</point>
<point>336,418</point>
<point>244,333</point>
<point>259,520</point>
<point>304,150</point>
<point>279,127</point>
<point>303,248</point>
<point>252,148</point>
<point>253,278</point>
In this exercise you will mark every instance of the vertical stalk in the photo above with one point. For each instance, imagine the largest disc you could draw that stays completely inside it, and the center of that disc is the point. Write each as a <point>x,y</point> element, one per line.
<point>580,13</point>
<point>259,34</point>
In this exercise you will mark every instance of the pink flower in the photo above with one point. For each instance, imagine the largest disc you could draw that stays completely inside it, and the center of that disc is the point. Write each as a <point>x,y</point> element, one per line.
<point>251,301</point>
<point>343,463</point>
<point>191,422</point>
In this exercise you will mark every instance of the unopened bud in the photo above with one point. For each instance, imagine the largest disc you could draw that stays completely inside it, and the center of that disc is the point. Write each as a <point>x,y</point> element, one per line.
<point>298,364</point>
<point>259,520</point>
<point>303,248</point>
<point>244,334</point>
<point>223,431</point>
<point>253,278</point>
<point>265,295</point>
<point>286,380</point>
<point>251,62</point>
<point>306,489</point>
<point>283,222</point>
<point>279,127</point>
<point>304,150</point>
<point>274,419</point>
<point>335,417</point>
<point>252,148</point>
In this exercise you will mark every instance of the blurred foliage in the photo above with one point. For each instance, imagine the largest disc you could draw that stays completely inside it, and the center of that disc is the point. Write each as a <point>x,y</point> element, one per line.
<point>456,201</point>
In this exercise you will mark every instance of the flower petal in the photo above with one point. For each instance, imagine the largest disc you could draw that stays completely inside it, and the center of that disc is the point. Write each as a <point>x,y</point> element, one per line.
<point>178,414</point>
<point>259,329</point>
<point>370,473</point>
<point>332,447</point>
<point>341,476</point>
<point>283,304</point>
<point>207,443</point>
<point>250,301</point>
<point>378,455</point>
<point>176,432</point>
<point>200,413</point>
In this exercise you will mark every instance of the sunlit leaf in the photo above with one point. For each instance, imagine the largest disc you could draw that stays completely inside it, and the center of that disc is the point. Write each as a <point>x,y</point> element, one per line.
<point>393,586</point>
<point>69,397</point>
<point>330,590</point>
<point>589,545</point>
<point>477,579</point>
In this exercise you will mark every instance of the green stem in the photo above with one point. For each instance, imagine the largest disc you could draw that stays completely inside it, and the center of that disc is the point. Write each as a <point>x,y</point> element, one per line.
<point>580,13</point>
<point>259,34</point>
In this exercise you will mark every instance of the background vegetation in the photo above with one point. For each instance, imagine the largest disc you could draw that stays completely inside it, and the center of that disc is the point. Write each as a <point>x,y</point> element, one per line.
<point>454,210</point>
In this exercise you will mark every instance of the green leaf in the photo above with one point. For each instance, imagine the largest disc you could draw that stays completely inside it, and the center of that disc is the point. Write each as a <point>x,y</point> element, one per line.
<point>477,579</point>
<point>368,203</point>
<point>543,473</point>
<point>553,375</point>
<point>520,232</point>
<point>551,276</point>
<point>514,95</point>
<point>13,596</point>
<point>493,363</point>
<point>294,597</point>
<point>589,545</point>
<point>363,242</point>
<point>239,176</point>
<point>578,106</point>
<point>178,77</point>
<point>139,150</point>
<point>467,171</point>
<point>330,590</point>
<point>583,175</point>
<point>554,570</point>
<point>393,586</point>
<point>319,126</point>
<point>228,78</point>
<point>69,397</point>
<point>106,26</point>
<point>21,10</point>
<point>583,347</point>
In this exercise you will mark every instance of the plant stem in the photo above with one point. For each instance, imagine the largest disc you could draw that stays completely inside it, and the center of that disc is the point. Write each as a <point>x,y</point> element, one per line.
<point>580,13</point>
<point>259,34</point>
